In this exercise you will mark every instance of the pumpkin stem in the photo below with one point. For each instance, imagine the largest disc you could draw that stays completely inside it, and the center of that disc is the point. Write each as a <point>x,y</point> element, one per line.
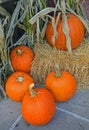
<point>32,92</point>
<point>58,72</point>
<point>19,78</point>
<point>19,52</point>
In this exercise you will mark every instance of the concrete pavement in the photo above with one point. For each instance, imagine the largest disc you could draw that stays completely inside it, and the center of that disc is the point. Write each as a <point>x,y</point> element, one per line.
<point>71,115</point>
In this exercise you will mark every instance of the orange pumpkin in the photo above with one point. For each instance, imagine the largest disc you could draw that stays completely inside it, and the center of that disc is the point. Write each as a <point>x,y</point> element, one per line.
<point>17,85</point>
<point>62,87</point>
<point>76,29</point>
<point>38,106</point>
<point>21,58</point>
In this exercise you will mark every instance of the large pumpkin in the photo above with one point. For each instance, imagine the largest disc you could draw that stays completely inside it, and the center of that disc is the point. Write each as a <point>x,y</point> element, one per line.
<point>38,106</point>
<point>76,29</point>
<point>17,85</point>
<point>21,58</point>
<point>63,87</point>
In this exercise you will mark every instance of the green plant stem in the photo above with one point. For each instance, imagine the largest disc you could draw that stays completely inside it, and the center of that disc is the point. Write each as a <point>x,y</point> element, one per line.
<point>27,24</point>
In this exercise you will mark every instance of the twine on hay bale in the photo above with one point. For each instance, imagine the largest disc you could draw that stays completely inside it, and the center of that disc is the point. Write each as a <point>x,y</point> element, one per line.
<point>76,62</point>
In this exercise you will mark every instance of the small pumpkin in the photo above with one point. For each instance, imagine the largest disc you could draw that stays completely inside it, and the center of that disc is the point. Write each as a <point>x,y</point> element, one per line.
<point>62,86</point>
<point>21,58</point>
<point>38,106</point>
<point>17,85</point>
<point>76,29</point>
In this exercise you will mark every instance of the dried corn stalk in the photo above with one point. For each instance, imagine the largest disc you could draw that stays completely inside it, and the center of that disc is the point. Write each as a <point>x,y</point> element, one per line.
<point>3,55</point>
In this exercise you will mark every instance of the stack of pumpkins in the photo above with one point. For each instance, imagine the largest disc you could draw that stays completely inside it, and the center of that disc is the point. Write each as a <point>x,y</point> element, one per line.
<point>38,103</point>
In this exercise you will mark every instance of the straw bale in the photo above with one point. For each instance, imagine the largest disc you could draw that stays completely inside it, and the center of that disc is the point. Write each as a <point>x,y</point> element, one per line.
<point>76,62</point>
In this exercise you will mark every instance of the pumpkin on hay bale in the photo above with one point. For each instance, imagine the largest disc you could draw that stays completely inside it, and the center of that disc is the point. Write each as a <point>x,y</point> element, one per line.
<point>76,62</point>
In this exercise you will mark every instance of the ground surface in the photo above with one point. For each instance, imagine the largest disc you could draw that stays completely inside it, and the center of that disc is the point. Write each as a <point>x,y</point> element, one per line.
<point>71,115</point>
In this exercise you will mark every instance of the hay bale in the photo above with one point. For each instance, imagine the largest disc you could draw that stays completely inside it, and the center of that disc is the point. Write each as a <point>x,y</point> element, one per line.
<point>76,62</point>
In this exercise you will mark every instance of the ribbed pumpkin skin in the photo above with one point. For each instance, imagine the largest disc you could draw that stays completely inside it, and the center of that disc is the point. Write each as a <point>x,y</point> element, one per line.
<point>21,62</point>
<point>62,88</point>
<point>15,88</point>
<point>77,31</point>
<point>40,109</point>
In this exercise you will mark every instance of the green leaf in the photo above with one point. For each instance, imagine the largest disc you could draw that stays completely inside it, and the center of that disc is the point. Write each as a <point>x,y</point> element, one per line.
<point>70,2</point>
<point>43,3</point>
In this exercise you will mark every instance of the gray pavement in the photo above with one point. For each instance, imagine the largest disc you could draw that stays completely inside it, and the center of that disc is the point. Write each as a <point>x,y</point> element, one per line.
<point>71,115</point>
